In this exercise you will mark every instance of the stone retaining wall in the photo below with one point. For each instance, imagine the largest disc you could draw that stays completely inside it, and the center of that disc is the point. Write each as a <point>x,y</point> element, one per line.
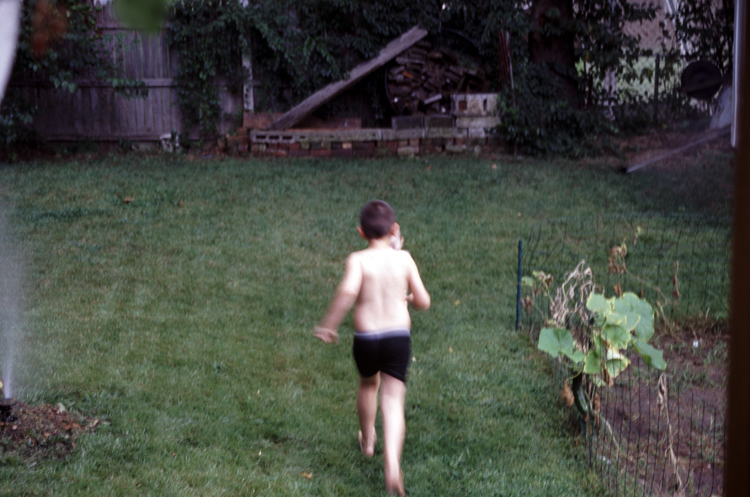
<point>364,142</point>
<point>467,129</point>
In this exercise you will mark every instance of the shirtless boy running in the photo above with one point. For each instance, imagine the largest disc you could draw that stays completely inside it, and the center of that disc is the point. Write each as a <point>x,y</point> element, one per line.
<point>376,282</point>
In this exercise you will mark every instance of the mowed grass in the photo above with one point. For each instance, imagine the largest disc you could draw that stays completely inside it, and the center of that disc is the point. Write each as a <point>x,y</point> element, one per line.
<point>182,318</point>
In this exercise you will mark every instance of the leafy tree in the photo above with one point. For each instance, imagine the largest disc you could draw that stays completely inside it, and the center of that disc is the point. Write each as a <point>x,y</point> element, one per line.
<point>704,29</point>
<point>562,104</point>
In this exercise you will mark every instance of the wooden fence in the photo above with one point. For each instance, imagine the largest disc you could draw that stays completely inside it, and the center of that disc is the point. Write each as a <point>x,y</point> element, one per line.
<point>97,113</point>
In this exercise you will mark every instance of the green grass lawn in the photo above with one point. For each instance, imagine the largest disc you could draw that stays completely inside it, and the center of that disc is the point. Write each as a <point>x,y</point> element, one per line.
<point>183,320</point>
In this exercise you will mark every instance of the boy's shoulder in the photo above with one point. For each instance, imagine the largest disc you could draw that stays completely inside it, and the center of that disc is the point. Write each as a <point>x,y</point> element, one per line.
<point>370,254</point>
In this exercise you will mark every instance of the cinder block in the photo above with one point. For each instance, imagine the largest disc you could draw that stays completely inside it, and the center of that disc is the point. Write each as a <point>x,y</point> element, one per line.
<point>486,122</point>
<point>407,122</point>
<point>476,104</point>
<point>438,121</point>
<point>408,151</point>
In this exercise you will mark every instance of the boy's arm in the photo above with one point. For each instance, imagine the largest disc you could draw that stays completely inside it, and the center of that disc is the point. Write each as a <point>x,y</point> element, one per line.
<point>343,300</point>
<point>418,297</point>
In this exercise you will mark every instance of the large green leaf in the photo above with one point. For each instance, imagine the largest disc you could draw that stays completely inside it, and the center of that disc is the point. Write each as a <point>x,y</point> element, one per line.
<point>651,356</point>
<point>593,364</point>
<point>558,341</point>
<point>616,319</point>
<point>597,303</point>
<point>577,356</point>
<point>644,329</point>
<point>555,341</point>
<point>617,336</point>
<point>615,363</point>
<point>624,306</point>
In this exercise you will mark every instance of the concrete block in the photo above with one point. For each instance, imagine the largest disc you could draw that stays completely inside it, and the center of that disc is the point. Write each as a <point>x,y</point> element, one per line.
<point>408,151</point>
<point>486,122</point>
<point>407,122</point>
<point>438,121</point>
<point>475,104</point>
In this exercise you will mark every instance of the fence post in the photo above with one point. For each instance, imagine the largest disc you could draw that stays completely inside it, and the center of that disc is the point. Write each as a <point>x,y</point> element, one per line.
<point>656,90</point>
<point>518,293</point>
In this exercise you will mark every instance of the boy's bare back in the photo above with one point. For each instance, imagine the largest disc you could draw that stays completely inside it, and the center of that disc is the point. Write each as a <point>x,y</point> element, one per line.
<point>376,281</point>
<point>382,276</point>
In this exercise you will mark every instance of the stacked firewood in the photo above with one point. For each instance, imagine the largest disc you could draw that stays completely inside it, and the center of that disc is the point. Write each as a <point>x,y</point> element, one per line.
<point>422,79</point>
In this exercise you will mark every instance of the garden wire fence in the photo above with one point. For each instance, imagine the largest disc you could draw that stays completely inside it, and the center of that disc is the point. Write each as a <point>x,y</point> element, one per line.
<point>652,432</point>
<point>678,263</point>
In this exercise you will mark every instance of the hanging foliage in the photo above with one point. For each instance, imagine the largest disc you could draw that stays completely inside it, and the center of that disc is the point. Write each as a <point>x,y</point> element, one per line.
<point>211,38</point>
<point>704,29</point>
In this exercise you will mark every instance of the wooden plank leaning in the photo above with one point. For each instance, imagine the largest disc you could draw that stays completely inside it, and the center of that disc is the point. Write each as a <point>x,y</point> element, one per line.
<point>325,94</point>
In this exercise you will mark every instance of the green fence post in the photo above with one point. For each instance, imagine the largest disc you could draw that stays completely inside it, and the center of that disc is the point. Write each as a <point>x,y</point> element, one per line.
<point>518,293</point>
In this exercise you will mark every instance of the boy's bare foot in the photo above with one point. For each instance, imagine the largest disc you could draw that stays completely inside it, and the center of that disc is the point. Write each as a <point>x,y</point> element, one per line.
<point>394,484</point>
<point>368,449</point>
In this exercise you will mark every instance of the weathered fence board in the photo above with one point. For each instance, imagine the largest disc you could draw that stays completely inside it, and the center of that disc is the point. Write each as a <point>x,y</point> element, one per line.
<point>96,112</point>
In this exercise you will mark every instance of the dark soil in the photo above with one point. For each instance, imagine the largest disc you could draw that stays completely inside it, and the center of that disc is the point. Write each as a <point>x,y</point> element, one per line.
<point>40,432</point>
<point>683,416</point>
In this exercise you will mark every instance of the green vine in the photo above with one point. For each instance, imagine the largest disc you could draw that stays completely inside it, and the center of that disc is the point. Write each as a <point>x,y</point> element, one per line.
<point>211,36</point>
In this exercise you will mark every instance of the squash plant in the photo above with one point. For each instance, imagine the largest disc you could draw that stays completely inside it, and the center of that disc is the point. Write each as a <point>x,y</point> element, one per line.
<point>617,324</point>
<point>590,332</point>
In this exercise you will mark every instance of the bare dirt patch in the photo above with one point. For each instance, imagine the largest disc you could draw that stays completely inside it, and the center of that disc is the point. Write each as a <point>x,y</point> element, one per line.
<point>39,432</point>
<point>668,429</point>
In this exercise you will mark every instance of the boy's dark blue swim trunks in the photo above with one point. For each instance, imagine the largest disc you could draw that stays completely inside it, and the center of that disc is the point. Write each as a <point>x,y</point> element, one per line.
<point>388,351</point>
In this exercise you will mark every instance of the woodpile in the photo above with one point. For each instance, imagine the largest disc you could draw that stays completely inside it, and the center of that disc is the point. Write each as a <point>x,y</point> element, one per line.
<point>421,79</point>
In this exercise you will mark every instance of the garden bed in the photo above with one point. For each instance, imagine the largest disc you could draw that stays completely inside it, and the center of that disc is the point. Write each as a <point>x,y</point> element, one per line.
<point>669,429</point>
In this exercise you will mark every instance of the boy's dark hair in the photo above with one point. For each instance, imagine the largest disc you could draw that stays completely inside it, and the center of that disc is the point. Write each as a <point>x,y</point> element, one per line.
<point>376,219</point>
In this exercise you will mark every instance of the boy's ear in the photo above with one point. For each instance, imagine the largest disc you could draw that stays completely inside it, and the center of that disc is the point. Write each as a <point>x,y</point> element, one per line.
<point>361,233</point>
<point>395,229</point>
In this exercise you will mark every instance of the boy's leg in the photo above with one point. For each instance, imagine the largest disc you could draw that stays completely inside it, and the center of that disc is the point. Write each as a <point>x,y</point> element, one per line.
<point>367,407</point>
<point>392,399</point>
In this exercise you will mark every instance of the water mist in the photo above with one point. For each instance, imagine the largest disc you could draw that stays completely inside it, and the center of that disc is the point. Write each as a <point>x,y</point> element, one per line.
<point>11,287</point>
